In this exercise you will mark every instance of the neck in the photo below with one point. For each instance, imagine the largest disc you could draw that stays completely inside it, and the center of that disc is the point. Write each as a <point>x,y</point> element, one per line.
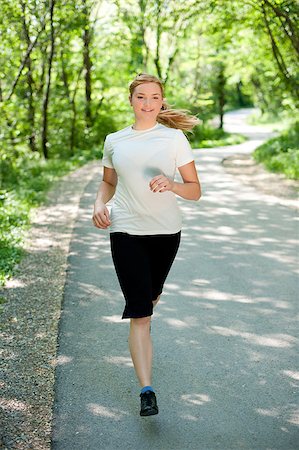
<point>143,125</point>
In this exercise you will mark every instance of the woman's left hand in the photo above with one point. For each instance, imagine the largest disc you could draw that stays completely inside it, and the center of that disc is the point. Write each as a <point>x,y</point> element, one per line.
<point>161,183</point>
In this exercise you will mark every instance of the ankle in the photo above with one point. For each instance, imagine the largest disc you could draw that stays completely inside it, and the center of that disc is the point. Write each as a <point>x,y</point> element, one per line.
<point>147,388</point>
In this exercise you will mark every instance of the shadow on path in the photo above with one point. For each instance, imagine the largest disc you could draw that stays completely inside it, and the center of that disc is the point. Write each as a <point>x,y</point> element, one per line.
<point>224,332</point>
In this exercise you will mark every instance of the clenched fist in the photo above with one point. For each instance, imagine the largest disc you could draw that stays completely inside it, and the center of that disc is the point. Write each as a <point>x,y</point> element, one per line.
<point>161,183</point>
<point>101,218</point>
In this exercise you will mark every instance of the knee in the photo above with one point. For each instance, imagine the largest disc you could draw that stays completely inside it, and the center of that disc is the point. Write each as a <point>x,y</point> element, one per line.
<point>141,321</point>
<point>157,299</point>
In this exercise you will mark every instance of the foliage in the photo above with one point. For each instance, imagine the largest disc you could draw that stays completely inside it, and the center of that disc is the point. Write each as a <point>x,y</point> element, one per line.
<point>271,120</point>
<point>65,68</point>
<point>207,137</point>
<point>25,189</point>
<point>212,55</point>
<point>281,154</point>
<point>13,221</point>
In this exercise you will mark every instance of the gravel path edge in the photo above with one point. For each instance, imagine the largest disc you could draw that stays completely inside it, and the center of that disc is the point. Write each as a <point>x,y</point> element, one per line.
<point>30,317</point>
<point>276,185</point>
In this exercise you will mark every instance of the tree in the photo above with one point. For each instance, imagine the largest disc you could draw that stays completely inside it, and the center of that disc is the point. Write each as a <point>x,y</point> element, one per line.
<point>48,82</point>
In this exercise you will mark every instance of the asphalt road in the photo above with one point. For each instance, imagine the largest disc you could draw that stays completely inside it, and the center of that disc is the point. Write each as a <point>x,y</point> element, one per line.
<point>224,333</point>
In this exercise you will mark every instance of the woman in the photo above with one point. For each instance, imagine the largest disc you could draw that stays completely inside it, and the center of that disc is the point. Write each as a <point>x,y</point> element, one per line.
<point>140,162</point>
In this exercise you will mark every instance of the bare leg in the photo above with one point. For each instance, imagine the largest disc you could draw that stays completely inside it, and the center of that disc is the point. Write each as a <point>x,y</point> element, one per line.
<point>141,349</point>
<point>156,301</point>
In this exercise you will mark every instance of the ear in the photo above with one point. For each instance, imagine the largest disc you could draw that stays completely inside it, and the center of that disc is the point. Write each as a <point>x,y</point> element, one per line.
<point>130,100</point>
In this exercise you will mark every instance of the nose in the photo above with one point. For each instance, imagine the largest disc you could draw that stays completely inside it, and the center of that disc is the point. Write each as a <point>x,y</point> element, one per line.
<point>146,102</point>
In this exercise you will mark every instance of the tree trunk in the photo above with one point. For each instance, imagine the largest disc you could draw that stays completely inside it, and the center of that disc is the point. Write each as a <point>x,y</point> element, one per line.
<point>290,81</point>
<point>158,41</point>
<point>48,85</point>
<point>87,65</point>
<point>241,101</point>
<point>30,83</point>
<point>23,64</point>
<point>220,92</point>
<point>289,28</point>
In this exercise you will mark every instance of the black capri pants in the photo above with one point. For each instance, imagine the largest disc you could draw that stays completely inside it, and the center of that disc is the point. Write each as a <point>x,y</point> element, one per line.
<point>142,263</point>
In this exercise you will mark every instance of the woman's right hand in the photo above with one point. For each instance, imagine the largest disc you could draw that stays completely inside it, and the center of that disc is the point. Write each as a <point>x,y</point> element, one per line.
<point>101,218</point>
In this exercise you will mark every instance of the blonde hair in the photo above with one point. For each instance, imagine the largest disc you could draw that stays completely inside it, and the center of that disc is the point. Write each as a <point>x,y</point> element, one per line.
<point>172,118</point>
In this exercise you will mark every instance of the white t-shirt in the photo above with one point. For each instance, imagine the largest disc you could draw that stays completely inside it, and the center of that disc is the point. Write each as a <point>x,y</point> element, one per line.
<point>137,156</point>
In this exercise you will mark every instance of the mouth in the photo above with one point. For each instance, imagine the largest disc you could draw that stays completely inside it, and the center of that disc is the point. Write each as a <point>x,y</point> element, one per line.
<point>145,110</point>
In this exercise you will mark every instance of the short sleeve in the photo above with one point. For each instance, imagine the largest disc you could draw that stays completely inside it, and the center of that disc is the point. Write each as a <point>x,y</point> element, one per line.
<point>107,154</point>
<point>184,154</point>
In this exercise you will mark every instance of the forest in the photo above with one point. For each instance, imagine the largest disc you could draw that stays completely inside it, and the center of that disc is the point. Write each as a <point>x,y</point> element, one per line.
<point>65,69</point>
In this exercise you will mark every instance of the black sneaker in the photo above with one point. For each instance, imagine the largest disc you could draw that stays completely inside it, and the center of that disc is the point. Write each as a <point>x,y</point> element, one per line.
<point>149,405</point>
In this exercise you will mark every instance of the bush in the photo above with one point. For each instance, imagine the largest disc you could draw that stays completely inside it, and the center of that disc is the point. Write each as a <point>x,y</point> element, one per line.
<point>281,154</point>
<point>25,182</point>
<point>205,136</point>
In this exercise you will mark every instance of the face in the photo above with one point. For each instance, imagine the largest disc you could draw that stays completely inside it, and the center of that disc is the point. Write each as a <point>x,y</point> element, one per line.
<point>147,101</point>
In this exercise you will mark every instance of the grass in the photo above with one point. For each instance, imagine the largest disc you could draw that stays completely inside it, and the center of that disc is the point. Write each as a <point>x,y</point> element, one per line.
<point>206,137</point>
<point>281,154</point>
<point>25,183</point>
<point>274,122</point>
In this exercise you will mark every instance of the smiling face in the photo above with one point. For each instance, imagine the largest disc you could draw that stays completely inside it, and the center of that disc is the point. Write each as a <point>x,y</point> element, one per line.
<point>147,101</point>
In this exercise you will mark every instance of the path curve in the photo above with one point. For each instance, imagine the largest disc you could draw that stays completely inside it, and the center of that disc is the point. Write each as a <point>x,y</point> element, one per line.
<point>241,164</point>
<point>224,333</point>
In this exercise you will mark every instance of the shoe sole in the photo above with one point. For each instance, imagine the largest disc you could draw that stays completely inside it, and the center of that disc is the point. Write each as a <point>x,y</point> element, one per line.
<point>150,412</point>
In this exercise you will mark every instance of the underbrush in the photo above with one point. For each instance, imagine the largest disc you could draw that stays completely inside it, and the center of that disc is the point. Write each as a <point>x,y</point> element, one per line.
<point>26,180</point>
<point>281,154</point>
<point>207,137</point>
<point>24,185</point>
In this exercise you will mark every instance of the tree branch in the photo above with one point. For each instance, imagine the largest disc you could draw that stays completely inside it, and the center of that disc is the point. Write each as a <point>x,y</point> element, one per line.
<point>23,64</point>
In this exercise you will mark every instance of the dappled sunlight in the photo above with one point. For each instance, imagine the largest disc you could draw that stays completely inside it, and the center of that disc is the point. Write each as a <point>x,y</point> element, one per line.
<point>112,319</point>
<point>189,417</point>
<point>221,296</point>
<point>105,412</point>
<point>196,399</point>
<point>221,211</point>
<point>176,323</point>
<point>15,283</point>
<point>171,286</point>
<point>214,295</point>
<point>123,361</point>
<point>272,340</point>
<point>281,257</point>
<point>106,266</point>
<point>294,375</point>
<point>62,360</point>
<point>12,404</point>
<point>188,343</point>
<point>294,417</point>
<point>179,324</point>
<point>206,305</point>
<point>223,331</point>
<point>92,289</point>
<point>200,282</point>
<point>41,335</point>
<point>268,412</point>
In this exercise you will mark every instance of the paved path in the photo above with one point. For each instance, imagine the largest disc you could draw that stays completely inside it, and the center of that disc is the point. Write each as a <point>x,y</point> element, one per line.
<point>224,332</point>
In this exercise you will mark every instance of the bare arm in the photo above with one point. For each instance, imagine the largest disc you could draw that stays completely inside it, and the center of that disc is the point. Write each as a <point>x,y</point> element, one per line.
<point>189,189</point>
<point>105,193</point>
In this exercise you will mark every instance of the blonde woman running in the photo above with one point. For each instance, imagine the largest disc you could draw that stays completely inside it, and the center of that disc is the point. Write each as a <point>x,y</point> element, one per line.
<point>140,162</point>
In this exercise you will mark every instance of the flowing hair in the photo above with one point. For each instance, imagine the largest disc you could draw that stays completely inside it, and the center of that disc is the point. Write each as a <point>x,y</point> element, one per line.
<point>172,118</point>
